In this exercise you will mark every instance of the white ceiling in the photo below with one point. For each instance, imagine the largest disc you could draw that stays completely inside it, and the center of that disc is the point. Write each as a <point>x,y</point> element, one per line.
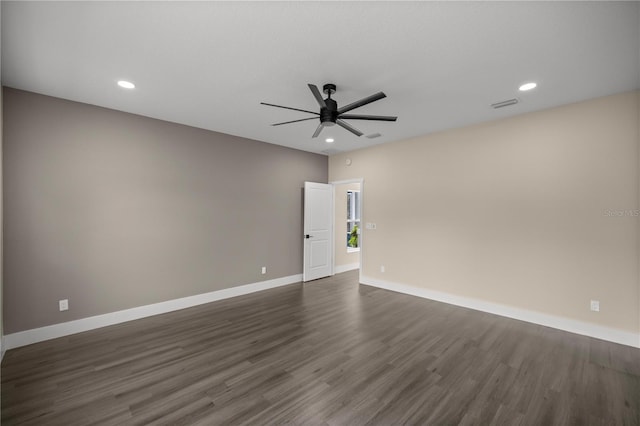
<point>210,64</point>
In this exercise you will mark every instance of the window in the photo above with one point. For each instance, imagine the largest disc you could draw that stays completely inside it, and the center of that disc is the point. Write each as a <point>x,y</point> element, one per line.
<point>353,220</point>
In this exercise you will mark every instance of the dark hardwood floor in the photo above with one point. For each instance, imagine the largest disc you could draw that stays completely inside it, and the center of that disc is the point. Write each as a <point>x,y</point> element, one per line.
<point>326,352</point>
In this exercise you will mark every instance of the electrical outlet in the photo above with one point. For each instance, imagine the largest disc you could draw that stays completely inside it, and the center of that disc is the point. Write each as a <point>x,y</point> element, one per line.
<point>595,305</point>
<point>264,270</point>
<point>64,304</point>
<point>381,268</point>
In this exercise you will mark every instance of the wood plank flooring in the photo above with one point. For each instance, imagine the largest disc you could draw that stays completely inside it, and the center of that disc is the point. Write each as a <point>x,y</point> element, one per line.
<point>327,352</point>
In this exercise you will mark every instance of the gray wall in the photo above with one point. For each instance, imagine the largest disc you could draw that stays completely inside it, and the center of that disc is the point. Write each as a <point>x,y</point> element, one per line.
<point>113,210</point>
<point>1,239</point>
<point>1,209</point>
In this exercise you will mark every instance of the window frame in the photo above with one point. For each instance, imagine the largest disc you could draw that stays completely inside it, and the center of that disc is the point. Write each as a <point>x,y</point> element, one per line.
<point>353,207</point>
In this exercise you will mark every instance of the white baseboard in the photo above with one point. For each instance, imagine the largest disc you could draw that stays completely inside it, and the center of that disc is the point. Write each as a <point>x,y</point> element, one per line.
<point>561,323</point>
<point>35,335</point>
<point>344,268</point>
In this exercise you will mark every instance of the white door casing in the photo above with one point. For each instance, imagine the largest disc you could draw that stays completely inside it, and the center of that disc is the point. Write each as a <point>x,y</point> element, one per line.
<point>318,231</point>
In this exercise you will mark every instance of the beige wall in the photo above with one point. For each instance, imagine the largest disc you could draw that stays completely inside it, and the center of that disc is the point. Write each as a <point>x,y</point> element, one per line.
<point>114,211</point>
<point>342,256</point>
<point>513,211</point>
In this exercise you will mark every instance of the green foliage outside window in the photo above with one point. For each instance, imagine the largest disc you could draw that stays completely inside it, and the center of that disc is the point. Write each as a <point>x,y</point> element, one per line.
<point>353,240</point>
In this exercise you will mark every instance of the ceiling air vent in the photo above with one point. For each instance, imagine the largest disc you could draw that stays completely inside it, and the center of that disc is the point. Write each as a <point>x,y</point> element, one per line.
<point>506,103</point>
<point>374,135</point>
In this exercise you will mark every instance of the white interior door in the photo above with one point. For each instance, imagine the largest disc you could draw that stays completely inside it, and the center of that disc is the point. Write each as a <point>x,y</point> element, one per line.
<point>318,231</point>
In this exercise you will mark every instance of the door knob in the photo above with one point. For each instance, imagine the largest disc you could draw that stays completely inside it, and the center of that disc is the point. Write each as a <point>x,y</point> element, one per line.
<point>307,236</point>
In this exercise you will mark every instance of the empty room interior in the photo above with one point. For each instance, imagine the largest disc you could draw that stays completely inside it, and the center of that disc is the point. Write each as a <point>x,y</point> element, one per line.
<point>320,213</point>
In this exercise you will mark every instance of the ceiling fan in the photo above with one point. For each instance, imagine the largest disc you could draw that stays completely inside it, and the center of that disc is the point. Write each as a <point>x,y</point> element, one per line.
<point>330,114</point>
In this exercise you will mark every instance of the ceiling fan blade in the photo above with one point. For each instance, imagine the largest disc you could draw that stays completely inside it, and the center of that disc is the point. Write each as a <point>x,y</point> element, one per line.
<point>350,128</point>
<point>317,95</point>
<point>295,109</point>
<point>367,117</point>
<point>318,130</point>
<point>362,102</point>
<point>295,121</point>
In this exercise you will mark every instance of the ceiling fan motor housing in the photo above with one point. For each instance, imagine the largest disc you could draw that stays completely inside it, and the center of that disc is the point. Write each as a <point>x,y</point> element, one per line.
<point>329,115</point>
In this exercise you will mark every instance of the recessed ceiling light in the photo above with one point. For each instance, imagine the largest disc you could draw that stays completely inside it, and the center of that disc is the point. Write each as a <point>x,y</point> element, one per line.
<point>126,84</point>
<point>527,86</point>
<point>328,140</point>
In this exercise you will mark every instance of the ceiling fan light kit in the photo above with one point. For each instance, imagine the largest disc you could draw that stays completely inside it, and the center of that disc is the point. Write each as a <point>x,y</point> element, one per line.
<point>330,114</point>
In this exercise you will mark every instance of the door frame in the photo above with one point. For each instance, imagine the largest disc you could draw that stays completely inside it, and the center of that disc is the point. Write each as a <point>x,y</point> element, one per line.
<point>335,184</point>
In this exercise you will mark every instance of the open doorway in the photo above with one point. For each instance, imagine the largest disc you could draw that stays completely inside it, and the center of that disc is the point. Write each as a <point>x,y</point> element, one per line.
<point>347,225</point>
